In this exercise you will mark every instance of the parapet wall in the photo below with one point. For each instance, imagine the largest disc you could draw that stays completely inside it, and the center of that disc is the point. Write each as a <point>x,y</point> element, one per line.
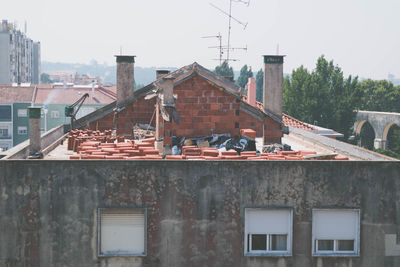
<point>195,209</point>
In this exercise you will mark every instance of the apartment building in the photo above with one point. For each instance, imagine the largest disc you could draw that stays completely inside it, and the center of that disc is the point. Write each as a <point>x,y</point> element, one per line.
<point>19,56</point>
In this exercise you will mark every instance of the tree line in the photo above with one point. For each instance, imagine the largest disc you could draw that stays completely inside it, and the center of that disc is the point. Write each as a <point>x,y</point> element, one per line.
<point>325,97</point>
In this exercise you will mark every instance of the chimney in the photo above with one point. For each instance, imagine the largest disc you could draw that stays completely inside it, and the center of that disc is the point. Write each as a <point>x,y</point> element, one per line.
<point>34,130</point>
<point>273,82</point>
<point>168,91</point>
<point>125,79</point>
<point>160,73</point>
<point>251,91</point>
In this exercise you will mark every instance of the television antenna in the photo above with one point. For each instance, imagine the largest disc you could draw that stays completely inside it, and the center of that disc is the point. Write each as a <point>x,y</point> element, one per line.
<point>220,45</point>
<point>229,14</point>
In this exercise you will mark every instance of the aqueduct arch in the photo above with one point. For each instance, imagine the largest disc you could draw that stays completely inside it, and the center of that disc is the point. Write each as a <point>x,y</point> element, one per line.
<point>380,122</point>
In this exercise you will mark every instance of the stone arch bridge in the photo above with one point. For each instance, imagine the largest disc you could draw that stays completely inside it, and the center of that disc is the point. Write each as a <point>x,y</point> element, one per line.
<point>380,122</point>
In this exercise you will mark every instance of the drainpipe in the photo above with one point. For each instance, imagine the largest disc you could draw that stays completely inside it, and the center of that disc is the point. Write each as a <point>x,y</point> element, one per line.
<point>34,130</point>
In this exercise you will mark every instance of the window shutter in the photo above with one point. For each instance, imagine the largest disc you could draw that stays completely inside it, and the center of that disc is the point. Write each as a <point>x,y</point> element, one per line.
<point>268,221</point>
<point>337,224</point>
<point>122,232</point>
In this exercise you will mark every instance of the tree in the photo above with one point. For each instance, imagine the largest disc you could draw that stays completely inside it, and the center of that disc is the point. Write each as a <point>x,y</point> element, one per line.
<point>323,96</point>
<point>45,78</point>
<point>379,96</point>
<point>259,85</point>
<point>224,70</point>
<point>245,74</point>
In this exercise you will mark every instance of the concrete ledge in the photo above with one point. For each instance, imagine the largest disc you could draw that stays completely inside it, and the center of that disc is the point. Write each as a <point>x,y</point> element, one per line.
<point>21,151</point>
<point>342,147</point>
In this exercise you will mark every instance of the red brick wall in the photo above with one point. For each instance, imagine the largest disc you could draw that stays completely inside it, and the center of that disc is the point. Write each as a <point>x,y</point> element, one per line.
<point>140,111</point>
<point>203,109</point>
<point>202,106</point>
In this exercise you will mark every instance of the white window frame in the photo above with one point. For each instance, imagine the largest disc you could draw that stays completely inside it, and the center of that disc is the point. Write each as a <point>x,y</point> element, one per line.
<point>22,128</point>
<point>248,251</point>
<point>335,252</point>
<point>22,112</point>
<point>55,114</point>
<point>100,253</point>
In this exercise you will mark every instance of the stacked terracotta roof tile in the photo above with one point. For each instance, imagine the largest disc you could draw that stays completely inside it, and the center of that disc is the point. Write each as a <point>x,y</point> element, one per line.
<point>101,145</point>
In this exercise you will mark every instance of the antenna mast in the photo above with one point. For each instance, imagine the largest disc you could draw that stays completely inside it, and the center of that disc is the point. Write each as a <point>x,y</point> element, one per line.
<point>228,47</point>
<point>220,45</point>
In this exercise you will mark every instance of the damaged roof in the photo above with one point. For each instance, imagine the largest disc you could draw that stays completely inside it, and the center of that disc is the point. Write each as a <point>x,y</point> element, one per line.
<point>179,76</point>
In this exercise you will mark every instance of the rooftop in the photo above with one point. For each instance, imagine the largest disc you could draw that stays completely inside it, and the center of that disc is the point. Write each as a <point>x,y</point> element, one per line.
<point>50,94</point>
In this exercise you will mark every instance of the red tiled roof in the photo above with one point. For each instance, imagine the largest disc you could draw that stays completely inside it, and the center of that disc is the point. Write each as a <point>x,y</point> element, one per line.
<point>10,94</point>
<point>286,119</point>
<point>292,122</point>
<point>71,95</point>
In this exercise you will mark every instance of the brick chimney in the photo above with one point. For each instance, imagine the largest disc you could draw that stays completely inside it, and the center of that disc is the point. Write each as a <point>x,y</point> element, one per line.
<point>251,91</point>
<point>125,79</point>
<point>273,84</point>
<point>34,130</point>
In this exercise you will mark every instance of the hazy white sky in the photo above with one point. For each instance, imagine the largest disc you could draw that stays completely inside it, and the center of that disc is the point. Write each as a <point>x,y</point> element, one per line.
<point>361,36</point>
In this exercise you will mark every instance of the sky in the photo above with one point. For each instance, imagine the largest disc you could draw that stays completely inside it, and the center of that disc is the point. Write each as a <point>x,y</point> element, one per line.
<point>360,36</point>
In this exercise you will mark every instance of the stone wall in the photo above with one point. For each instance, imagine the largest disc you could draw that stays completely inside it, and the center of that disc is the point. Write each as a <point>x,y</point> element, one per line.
<point>195,209</point>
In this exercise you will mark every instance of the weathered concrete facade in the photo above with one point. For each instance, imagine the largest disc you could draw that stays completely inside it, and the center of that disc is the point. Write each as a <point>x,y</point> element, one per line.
<point>195,209</point>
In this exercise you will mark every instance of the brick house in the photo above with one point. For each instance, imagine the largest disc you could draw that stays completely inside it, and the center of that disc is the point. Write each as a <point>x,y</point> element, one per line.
<point>206,104</point>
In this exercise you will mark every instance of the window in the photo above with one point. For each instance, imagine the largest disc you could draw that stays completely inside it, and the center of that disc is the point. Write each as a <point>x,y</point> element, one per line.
<point>336,232</point>
<point>5,113</point>
<point>122,232</point>
<point>268,232</point>
<point>22,113</point>
<point>3,132</point>
<point>55,114</point>
<point>22,130</point>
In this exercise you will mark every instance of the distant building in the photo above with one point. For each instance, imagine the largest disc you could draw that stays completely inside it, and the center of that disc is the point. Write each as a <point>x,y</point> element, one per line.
<point>19,56</point>
<point>15,100</point>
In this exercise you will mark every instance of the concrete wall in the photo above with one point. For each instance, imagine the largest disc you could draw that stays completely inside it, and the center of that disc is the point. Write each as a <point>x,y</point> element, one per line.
<point>195,209</point>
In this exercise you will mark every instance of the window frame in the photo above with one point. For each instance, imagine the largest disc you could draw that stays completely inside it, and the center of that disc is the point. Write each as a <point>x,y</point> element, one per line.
<point>54,114</point>
<point>24,111</point>
<point>268,252</point>
<point>18,130</point>
<point>99,252</point>
<point>335,252</point>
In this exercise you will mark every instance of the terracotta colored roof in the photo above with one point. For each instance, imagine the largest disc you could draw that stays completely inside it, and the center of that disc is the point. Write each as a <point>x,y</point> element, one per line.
<point>290,121</point>
<point>286,119</point>
<point>10,94</point>
<point>90,144</point>
<point>70,95</point>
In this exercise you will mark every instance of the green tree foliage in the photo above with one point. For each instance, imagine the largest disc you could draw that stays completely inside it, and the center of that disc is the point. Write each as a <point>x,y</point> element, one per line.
<point>45,78</point>
<point>245,74</point>
<point>379,96</point>
<point>259,85</point>
<point>393,139</point>
<point>367,136</point>
<point>322,96</point>
<point>224,70</point>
